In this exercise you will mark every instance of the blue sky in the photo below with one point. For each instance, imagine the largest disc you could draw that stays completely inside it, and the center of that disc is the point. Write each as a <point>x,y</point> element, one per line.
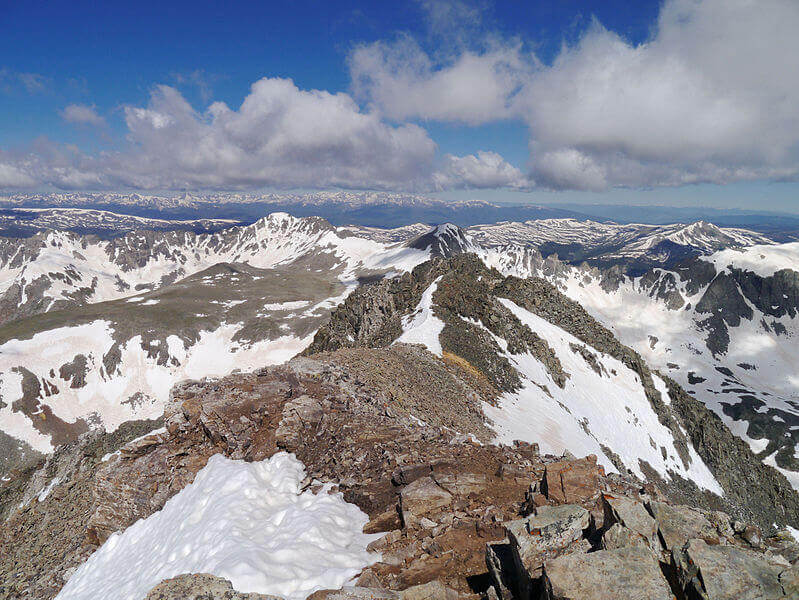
<point>516,101</point>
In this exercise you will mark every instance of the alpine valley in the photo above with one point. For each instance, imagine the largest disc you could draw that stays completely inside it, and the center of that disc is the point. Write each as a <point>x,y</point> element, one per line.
<point>513,409</point>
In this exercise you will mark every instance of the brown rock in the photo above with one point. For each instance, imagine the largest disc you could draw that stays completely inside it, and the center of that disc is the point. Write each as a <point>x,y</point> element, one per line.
<point>572,481</point>
<point>421,498</point>
<point>385,521</point>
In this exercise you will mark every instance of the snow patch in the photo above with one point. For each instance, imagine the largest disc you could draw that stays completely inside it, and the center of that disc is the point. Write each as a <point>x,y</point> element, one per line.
<point>50,486</point>
<point>249,523</point>
<point>292,305</point>
<point>591,411</point>
<point>761,260</point>
<point>422,326</point>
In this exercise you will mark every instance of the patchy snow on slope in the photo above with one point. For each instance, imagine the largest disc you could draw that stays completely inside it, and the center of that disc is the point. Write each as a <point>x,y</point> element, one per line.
<point>246,522</point>
<point>50,487</point>
<point>592,410</point>
<point>422,326</point>
<point>761,260</point>
<point>674,342</point>
<point>292,305</point>
<point>105,396</point>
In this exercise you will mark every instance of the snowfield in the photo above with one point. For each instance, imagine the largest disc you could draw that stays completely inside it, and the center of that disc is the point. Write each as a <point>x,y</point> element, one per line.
<point>102,398</point>
<point>591,411</point>
<point>249,523</point>
<point>762,260</point>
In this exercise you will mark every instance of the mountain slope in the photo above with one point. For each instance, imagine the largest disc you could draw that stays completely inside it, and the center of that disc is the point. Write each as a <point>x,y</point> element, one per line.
<point>24,222</point>
<point>57,270</point>
<point>87,363</point>
<point>553,375</point>
<point>724,326</point>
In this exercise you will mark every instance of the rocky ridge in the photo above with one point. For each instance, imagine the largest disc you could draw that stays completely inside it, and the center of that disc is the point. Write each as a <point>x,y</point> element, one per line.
<point>466,297</point>
<point>462,519</point>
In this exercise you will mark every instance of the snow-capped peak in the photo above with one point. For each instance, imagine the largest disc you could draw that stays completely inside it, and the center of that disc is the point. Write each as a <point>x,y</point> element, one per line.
<point>445,240</point>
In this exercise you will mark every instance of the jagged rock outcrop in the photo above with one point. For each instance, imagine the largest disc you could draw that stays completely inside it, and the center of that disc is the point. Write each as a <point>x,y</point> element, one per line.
<point>44,514</point>
<point>200,586</point>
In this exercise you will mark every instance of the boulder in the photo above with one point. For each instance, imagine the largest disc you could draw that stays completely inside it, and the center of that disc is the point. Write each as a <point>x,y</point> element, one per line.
<point>200,586</point>
<point>572,481</point>
<point>633,516</point>
<point>422,497</point>
<point>433,590</point>
<point>550,532</point>
<point>789,580</point>
<point>630,573</point>
<point>727,573</point>
<point>618,536</point>
<point>462,484</point>
<point>678,524</point>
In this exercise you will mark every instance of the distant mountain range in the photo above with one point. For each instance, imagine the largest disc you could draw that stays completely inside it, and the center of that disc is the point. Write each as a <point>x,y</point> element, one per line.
<point>370,209</point>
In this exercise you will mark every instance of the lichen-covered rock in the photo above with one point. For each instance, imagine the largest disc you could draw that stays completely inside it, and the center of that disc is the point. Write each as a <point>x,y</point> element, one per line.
<point>630,573</point>
<point>633,516</point>
<point>550,532</point>
<point>354,593</point>
<point>619,536</point>
<point>727,573</point>
<point>432,590</point>
<point>200,586</point>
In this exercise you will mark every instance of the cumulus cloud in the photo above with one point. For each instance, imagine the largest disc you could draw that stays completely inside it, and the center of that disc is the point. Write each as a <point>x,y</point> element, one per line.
<point>483,170</point>
<point>280,136</point>
<point>711,97</point>
<point>81,114</point>
<point>403,82</point>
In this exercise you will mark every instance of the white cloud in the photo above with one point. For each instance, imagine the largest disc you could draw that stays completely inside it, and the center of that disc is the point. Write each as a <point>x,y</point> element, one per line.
<point>483,170</point>
<point>81,114</point>
<point>12,177</point>
<point>280,136</point>
<point>711,97</point>
<point>403,82</point>
<point>32,83</point>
